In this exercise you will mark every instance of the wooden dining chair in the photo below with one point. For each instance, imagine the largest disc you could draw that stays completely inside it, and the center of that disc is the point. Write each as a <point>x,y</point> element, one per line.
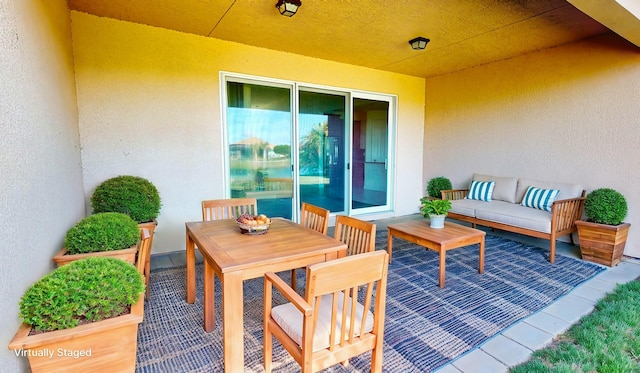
<point>144,257</point>
<point>358,235</point>
<point>229,208</point>
<point>316,218</point>
<point>323,328</point>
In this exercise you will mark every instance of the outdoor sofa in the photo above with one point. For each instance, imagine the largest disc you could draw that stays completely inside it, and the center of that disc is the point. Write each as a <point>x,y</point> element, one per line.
<point>549,210</point>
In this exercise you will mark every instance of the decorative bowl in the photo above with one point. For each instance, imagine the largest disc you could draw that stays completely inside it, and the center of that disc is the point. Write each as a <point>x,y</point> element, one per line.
<point>252,229</point>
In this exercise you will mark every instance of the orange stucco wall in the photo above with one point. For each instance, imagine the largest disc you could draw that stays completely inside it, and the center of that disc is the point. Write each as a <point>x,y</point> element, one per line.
<point>566,114</point>
<point>149,105</point>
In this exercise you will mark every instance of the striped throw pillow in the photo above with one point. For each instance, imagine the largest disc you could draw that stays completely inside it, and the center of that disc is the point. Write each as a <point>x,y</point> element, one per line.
<point>481,190</point>
<point>540,199</point>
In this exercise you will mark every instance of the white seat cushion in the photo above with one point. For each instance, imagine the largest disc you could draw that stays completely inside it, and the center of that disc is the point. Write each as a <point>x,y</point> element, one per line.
<point>516,215</point>
<point>290,320</point>
<point>467,207</point>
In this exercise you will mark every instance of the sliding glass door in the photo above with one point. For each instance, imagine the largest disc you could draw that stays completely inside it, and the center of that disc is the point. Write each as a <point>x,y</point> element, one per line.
<point>370,175</point>
<point>259,140</point>
<point>322,149</point>
<point>288,143</point>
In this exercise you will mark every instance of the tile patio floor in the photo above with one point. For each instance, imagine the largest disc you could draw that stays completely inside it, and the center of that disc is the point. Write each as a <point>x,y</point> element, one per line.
<point>515,344</point>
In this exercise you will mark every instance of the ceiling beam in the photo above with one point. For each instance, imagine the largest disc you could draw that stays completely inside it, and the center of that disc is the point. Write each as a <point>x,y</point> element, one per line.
<point>620,16</point>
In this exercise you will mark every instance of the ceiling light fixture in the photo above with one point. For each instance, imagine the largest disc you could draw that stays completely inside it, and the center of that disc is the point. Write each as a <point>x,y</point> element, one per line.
<point>288,7</point>
<point>419,43</point>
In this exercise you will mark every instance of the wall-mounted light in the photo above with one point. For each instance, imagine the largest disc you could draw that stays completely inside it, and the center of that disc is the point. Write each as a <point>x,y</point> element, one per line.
<point>419,43</point>
<point>288,7</point>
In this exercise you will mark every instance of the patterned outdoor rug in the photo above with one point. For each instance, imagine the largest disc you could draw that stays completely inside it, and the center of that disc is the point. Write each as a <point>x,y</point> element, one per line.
<point>425,326</point>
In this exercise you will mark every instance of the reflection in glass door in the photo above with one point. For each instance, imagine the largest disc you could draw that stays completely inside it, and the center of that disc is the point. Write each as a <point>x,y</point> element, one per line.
<point>370,138</point>
<point>321,148</point>
<point>258,137</point>
<point>287,144</point>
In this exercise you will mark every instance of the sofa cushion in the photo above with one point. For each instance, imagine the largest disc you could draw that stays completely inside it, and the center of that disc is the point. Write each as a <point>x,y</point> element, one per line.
<point>540,199</point>
<point>505,189</point>
<point>566,190</point>
<point>515,215</point>
<point>481,190</point>
<point>466,207</point>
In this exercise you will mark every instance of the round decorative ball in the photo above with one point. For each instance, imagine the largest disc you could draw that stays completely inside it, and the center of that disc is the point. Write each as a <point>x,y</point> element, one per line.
<point>131,195</point>
<point>605,206</point>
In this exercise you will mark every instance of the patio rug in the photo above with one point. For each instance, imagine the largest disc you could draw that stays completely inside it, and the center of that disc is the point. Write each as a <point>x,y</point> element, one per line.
<point>425,326</point>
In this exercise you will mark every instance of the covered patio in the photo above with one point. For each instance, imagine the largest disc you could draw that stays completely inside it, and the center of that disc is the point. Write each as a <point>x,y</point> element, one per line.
<point>509,347</point>
<point>92,90</point>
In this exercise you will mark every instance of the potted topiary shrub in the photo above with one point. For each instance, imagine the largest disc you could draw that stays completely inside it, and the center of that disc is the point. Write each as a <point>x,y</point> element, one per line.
<point>436,210</point>
<point>82,317</point>
<point>437,184</point>
<point>105,234</point>
<point>604,234</point>
<point>131,195</point>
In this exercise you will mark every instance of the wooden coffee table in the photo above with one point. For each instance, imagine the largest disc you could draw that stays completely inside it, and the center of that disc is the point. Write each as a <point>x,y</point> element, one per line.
<point>452,236</point>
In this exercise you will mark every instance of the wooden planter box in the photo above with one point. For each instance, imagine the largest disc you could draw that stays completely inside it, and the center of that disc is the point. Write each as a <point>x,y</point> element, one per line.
<point>600,243</point>
<point>104,346</point>
<point>129,255</point>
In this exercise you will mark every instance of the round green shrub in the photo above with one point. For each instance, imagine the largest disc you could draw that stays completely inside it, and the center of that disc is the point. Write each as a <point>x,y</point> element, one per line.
<point>86,290</point>
<point>131,195</point>
<point>605,206</point>
<point>437,184</point>
<point>105,231</point>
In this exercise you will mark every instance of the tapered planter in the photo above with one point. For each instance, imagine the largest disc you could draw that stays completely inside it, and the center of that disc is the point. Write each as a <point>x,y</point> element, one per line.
<point>601,243</point>
<point>104,346</point>
<point>62,257</point>
<point>436,221</point>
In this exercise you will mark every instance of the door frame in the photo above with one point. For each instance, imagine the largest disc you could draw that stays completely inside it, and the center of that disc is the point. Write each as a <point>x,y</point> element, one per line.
<point>295,88</point>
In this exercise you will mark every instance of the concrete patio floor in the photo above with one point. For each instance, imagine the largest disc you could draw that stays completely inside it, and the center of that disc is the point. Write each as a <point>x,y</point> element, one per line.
<point>515,344</point>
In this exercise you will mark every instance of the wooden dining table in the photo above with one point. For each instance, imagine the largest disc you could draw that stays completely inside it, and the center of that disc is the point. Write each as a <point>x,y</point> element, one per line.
<point>235,257</point>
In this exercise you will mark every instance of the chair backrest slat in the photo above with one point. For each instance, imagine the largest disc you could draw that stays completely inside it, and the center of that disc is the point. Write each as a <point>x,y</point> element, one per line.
<point>231,208</point>
<point>314,217</point>
<point>344,281</point>
<point>358,235</point>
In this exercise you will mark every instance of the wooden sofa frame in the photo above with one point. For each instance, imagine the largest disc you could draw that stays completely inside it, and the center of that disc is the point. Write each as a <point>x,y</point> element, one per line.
<point>564,214</point>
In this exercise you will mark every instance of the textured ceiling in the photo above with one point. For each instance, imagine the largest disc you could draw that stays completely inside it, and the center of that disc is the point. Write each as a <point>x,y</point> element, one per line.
<point>375,33</point>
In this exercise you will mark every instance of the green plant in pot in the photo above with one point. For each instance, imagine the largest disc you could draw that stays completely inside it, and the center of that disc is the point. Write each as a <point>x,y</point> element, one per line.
<point>437,184</point>
<point>131,195</point>
<point>103,234</point>
<point>73,316</point>
<point>436,210</point>
<point>603,235</point>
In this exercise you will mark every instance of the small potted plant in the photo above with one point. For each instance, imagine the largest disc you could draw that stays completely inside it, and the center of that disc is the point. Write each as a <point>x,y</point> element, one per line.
<point>104,234</point>
<point>604,234</point>
<point>436,210</point>
<point>82,317</point>
<point>437,184</point>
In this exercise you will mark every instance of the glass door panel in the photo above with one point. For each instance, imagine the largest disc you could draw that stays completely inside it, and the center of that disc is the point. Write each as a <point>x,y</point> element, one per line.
<point>259,139</point>
<point>322,150</point>
<point>369,177</point>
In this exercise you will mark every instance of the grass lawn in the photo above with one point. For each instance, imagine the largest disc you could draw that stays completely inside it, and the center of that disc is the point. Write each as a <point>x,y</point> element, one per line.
<point>607,340</point>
